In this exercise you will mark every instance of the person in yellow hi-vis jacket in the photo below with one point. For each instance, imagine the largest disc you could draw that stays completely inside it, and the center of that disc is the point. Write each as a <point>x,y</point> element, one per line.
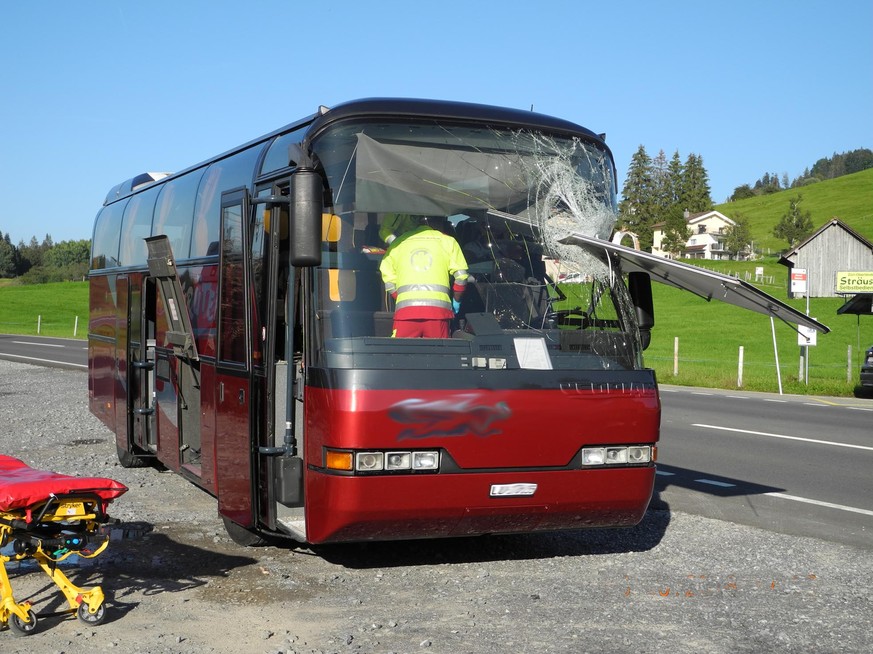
<point>396,224</point>
<point>426,273</point>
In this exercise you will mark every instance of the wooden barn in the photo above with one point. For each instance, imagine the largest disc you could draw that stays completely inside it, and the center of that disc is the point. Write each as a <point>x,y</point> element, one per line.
<point>834,248</point>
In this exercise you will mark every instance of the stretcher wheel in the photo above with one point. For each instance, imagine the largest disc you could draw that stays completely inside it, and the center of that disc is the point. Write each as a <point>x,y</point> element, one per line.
<point>92,619</point>
<point>21,628</point>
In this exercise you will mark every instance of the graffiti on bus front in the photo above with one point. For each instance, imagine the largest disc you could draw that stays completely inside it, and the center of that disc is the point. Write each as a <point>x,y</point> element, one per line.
<point>460,415</point>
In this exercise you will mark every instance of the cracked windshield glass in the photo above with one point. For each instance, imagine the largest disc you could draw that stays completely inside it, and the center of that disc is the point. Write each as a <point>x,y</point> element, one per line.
<point>506,197</point>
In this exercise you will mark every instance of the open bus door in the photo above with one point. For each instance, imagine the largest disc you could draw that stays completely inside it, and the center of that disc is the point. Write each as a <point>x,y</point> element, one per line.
<point>122,383</point>
<point>292,223</point>
<point>181,387</point>
<point>235,473</point>
<point>140,375</point>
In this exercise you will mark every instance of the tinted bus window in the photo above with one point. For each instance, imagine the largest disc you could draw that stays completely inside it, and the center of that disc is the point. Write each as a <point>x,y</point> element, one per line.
<point>278,156</point>
<point>107,230</point>
<point>136,227</point>
<point>229,173</point>
<point>232,344</point>
<point>174,212</point>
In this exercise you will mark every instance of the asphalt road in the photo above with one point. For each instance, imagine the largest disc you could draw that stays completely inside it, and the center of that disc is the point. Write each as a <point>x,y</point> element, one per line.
<point>790,464</point>
<point>43,351</point>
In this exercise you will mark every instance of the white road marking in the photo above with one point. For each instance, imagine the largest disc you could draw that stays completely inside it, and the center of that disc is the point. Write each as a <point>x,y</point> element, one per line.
<point>40,344</point>
<point>62,363</point>
<point>713,482</point>
<point>790,438</point>
<point>830,505</point>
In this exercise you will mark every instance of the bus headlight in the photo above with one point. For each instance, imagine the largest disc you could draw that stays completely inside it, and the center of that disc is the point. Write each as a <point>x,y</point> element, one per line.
<point>639,454</point>
<point>398,461</point>
<point>369,461</point>
<point>376,462</point>
<point>593,456</point>
<point>617,455</point>
<point>425,460</point>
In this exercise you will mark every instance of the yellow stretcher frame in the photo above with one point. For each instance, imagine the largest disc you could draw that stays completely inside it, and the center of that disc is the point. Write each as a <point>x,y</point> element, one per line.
<point>48,533</point>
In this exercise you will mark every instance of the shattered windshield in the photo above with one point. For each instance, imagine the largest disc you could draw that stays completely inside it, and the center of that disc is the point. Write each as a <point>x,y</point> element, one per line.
<point>506,197</point>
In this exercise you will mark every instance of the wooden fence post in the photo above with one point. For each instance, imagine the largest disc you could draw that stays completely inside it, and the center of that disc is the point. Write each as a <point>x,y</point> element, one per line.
<point>740,369</point>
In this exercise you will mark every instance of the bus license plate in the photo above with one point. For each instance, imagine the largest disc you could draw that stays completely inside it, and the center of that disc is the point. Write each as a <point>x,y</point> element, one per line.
<point>513,490</point>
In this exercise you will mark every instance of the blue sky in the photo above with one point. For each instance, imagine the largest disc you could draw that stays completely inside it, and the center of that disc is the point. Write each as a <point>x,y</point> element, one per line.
<point>96,92</point>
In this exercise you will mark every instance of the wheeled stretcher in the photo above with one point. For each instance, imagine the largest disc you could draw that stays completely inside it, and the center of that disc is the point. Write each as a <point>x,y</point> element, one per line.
<point>48,517</point>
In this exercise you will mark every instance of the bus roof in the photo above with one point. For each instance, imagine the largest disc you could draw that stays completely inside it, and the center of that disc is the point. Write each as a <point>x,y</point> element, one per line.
<point>387,108</point>
<point>444,109</point>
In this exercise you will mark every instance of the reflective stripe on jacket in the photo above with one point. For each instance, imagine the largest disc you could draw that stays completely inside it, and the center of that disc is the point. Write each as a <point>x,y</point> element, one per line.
<point>418,268</point>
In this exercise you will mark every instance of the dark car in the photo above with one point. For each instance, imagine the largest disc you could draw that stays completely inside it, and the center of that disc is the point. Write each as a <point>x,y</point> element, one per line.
<point>867,369</point>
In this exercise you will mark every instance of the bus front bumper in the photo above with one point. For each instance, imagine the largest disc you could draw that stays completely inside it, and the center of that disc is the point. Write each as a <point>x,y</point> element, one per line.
<point>344,508</point>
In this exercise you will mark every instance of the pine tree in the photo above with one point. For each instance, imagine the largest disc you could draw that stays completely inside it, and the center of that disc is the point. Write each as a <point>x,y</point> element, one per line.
<point>637,208</point>
<point>695,194</point>
<point>676,171</point>
<point>662,188</point>
<point>8,257</point>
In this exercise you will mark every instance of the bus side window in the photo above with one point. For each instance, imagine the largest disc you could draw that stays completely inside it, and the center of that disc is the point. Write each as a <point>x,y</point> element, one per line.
<point>107,230</point>
<point>174,212</point>
<point>222,175</point>
<point>137,226</point>
<point>232,346</point>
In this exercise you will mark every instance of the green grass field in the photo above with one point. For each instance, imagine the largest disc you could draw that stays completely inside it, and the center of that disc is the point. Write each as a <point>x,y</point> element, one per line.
<point>711,333</point>
<point>849,198</point>
<point>51,308</point>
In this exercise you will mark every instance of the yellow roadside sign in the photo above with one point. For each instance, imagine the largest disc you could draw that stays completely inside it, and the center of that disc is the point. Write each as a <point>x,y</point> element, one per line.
<point>854,282</point>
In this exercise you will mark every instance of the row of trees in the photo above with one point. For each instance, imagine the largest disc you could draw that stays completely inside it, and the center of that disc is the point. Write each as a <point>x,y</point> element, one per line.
<point>826,168</point>
<point>37,262</point>
<point>659,191</point>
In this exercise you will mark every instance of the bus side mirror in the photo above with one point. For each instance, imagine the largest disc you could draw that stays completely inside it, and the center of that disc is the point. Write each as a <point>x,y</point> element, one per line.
<point>640,286</point>
<point>306,206</point>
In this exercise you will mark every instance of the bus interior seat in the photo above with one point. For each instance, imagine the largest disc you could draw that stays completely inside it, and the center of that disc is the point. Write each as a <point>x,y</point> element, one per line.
<point>366,232</point>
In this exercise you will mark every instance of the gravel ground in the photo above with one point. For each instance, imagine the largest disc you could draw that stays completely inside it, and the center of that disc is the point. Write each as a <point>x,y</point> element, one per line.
<point>175,583</point>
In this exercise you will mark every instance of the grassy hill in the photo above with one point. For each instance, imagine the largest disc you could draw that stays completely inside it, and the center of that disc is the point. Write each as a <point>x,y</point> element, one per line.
<point>849,198</point>
<point>710,334</point>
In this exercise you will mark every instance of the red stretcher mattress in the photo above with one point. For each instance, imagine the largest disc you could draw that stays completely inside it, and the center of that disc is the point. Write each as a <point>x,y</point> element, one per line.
<point>22,486</point>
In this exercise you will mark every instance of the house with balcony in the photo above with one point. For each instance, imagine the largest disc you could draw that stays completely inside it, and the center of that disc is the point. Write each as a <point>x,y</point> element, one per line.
<point>707,233</point>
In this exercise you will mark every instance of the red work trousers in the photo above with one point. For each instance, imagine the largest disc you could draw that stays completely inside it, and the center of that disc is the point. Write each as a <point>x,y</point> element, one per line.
<point>421,328</point>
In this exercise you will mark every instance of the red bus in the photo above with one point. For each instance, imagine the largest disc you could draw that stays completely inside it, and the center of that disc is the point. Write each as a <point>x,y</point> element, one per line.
<point>240,332</point>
